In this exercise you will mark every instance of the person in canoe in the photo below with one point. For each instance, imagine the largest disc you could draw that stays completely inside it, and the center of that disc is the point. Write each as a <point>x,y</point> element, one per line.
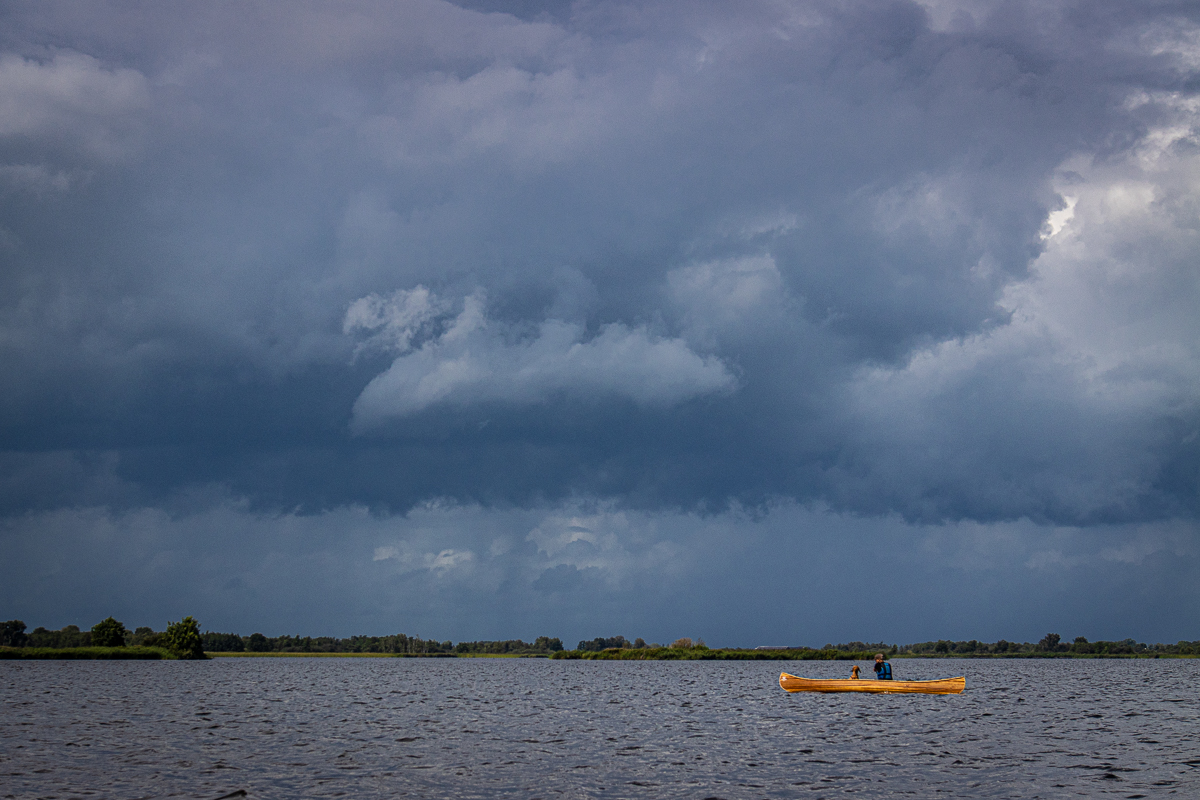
<point>854,672</point>
<point>883,670</point>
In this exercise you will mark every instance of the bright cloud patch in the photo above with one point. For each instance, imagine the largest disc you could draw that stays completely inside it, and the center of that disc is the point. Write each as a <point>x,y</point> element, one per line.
<point>470,359</point>
<point>610,544</point>
<point>1084,403</point>
<point>438,562</point>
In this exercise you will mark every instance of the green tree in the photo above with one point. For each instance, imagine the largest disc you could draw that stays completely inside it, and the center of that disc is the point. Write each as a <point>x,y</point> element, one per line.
<point>12,633</point>
<point>222,642</point>
<point>1049,642</point>
<point>604,643</point>
<point>183,638</point>
<point>108,632</point>
<point>146,636</point>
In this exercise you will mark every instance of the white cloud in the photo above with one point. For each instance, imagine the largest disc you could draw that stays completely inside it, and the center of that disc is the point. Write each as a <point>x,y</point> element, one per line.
<point>477,360</point>
<point>1059,218</point>
<point>384,553</point>
<point>407,556</point>
<point>583,541</point>
<point>71,97</point>
<point>391,322</point>
<point>555,535</point>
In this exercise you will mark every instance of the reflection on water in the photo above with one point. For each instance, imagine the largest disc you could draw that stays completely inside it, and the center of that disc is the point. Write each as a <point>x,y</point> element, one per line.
<point>534,728</point>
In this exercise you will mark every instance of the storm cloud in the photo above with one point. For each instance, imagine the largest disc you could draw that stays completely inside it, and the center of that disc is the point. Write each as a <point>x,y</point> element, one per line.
<point>567,308</point>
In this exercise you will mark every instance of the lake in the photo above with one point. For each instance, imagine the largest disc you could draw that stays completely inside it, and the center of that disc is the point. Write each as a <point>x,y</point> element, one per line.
<point>526,728</point>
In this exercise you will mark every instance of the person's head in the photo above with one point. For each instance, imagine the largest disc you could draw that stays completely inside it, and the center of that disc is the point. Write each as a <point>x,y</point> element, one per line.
<point>879,656</point>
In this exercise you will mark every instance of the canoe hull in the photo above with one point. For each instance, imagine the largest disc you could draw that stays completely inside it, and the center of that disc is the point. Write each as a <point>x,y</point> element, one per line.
<point>792,683</point>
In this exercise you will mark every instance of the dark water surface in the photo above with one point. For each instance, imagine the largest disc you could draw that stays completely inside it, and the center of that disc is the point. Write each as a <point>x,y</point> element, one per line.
<point>286,727</point>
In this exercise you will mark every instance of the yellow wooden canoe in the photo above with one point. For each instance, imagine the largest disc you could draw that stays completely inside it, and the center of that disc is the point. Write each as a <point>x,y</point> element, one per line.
<point>792,683</point>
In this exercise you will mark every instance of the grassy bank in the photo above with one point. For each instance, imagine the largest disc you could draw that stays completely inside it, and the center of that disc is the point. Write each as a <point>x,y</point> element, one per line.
<point>87,653</point>
<point>277,654</point>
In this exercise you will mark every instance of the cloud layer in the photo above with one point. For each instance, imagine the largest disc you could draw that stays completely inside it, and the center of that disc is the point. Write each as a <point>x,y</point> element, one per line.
<point>915,264</point>
<point>785,575</point>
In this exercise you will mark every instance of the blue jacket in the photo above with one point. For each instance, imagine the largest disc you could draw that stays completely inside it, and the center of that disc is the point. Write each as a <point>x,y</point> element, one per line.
<point>883,671</point>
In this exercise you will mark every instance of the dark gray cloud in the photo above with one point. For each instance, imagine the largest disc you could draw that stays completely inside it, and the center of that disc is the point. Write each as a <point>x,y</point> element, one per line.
<point>924,263</point>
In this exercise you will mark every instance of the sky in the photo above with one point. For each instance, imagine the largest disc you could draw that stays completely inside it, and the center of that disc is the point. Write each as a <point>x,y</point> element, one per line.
<point>771,322</point>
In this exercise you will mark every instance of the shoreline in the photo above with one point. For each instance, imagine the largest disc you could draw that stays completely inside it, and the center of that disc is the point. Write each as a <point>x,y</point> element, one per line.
<point>131,653</point>
<point>283,654</point>
<point>143,653</point>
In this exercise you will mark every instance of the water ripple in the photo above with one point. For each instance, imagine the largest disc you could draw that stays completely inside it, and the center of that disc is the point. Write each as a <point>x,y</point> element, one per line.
<point>483,728</point>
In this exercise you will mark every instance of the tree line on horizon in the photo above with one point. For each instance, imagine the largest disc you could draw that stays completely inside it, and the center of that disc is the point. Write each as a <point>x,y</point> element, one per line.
<point>396,644</point>
<point>1050,643</point>
<point>621,643</point>
<point>185,638</point>
<point>112,633</point>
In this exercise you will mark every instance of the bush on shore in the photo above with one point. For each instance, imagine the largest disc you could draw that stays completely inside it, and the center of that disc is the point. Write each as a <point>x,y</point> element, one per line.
<point>183,639</point>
